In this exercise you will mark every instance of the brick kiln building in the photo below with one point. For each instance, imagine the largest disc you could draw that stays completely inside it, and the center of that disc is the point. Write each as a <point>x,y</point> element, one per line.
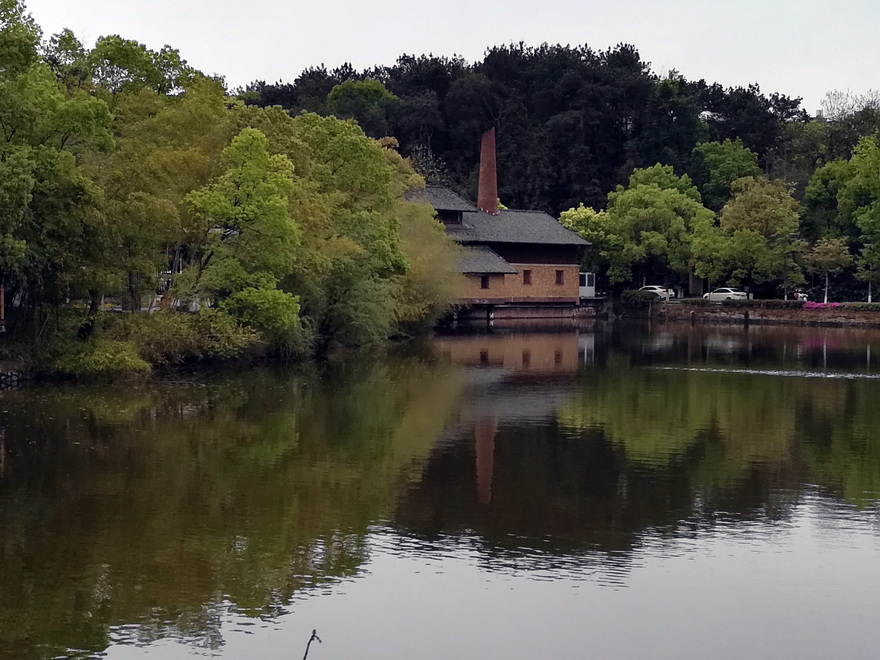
<point>520,262</point>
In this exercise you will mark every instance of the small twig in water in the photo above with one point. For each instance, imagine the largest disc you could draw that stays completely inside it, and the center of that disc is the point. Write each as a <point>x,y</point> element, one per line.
<point>311,639</point>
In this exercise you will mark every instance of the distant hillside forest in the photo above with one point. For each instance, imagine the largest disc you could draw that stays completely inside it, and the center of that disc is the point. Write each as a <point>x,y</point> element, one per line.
<point>572,122</point>
<point>579,129</point>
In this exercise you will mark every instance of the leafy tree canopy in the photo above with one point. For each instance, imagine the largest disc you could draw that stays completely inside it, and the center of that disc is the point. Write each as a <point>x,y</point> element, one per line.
<point>722,163</point>
<point>647,222</point>
<point>755,238</point>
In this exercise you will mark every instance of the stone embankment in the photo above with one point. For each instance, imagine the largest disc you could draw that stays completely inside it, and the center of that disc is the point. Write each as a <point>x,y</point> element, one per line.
<point>11,379</point>
<point>11,375</point>
<point>842,315</point>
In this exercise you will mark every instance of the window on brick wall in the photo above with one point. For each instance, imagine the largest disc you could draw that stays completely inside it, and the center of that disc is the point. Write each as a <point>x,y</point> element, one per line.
<point>527,277</point>
<point>560,277</point>
<point>484,282</point>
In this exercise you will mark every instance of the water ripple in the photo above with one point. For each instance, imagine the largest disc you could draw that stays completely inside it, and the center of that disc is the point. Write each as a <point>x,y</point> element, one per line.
<point>788,373</point>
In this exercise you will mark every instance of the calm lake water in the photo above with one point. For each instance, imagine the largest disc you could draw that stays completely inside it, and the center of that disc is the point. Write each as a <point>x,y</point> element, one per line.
<point>663,493</point>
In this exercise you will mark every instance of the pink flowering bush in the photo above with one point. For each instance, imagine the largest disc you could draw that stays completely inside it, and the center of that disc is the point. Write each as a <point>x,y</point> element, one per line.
<point>818,305</point>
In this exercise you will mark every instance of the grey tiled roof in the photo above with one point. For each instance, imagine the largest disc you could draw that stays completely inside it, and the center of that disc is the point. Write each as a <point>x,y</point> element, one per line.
<point>442,199</point>
<point>512,226</point>
<point>509,226</point>
<point>480,260</point>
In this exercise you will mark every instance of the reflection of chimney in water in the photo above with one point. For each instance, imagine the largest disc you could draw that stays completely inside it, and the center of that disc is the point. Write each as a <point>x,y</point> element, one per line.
<point>485,445</point>
<point>487,193</point>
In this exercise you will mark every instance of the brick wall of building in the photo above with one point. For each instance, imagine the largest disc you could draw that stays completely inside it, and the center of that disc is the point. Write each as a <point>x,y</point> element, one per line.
<point>512,289</point>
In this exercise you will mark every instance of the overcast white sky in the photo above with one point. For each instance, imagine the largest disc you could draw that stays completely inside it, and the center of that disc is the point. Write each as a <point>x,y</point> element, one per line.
<point>799,48</point>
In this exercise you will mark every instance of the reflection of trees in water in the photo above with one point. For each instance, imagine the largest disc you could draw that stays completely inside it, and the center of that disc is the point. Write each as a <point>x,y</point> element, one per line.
<point>572,502</point>
<point>635,454</point>
<point>758,346</point>
<point>137,513</point>
<point>796,430</point>
<point>158,507</point>
<point>840,439</point>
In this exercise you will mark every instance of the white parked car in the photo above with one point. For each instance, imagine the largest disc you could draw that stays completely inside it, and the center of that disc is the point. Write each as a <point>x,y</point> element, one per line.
<point>725,293</point>
<point>659,291</point>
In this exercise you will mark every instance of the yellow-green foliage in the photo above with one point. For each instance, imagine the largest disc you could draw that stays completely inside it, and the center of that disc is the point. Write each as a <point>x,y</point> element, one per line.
<point>125,173</point>
<point>431,284</point>
<point>101,358</point>
<point>169,338</point>
<point>275,314</point>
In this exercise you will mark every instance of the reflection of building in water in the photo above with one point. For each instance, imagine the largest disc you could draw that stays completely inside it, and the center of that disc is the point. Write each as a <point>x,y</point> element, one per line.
<point>503,388</point>
<point>537,353</point>
<point>587,347</point>
<point>526,491</point>
<point>514,379</point>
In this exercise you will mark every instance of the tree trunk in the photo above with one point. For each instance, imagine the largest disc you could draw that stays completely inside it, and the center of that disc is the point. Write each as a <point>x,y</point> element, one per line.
<point>94,302</point>
<point>826,287</point>
<point>131,299</point>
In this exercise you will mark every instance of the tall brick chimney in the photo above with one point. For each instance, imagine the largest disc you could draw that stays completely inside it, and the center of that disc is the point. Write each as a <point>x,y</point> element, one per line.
<point>487,193</point>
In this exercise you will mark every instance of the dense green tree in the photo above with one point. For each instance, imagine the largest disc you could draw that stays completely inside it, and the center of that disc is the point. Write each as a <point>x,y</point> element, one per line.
<point>366,101</point>
<point>859,195</point>
<point>828,257</point>
<point>68,58</point>
<point>846,118</point>
<point>593,226</point>
<point>119,65</point>
<point>664,176</point>
<point>19,38</point>
<point>756,238</point>
<point>822,215</point>
<point>369,259</point>
<point>669,126</point>
<point>354,240</point>
<point>748,114</point>
<point>247,237</point>
<point>49,205</point>
<point>164,148</point>
<point>124,173</point>
<point>651,227</point>
<point>843,200</point>
<point>720,164</point>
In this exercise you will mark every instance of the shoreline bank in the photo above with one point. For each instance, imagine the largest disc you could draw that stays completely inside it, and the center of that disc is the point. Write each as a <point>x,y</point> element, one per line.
<point>843,315</point>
